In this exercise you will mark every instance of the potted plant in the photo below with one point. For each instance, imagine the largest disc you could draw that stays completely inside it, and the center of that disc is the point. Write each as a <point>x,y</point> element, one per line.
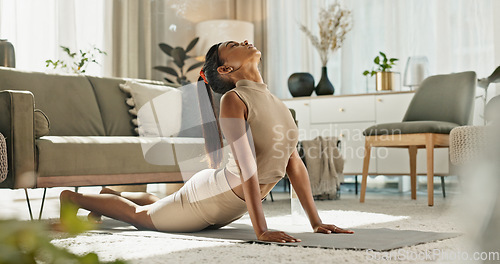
<point>180,56</point>
<point>384,77</point>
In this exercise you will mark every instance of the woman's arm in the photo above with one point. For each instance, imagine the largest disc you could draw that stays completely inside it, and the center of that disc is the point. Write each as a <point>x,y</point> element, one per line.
<point>299,178</point>
<point>233,124</point>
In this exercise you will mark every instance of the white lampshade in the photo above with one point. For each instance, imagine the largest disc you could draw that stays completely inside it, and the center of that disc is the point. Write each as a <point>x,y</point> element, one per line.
<point>215,31</point>
<point>416,70</point>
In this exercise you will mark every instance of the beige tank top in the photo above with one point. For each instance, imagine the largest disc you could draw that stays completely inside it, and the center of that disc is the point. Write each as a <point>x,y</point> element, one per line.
<point>273,129</point>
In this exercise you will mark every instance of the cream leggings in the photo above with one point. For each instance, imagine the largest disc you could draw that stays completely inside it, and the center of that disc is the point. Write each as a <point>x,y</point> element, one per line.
<point>205,200</point>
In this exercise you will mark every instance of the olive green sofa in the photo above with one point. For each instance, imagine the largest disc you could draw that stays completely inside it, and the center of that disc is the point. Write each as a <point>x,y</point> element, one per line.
<point>91,140</point>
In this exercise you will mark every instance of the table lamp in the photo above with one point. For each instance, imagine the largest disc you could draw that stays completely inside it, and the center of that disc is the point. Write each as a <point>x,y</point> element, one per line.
<point>417,69</point>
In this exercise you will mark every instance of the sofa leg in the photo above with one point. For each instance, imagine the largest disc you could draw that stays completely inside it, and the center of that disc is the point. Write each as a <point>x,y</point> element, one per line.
<point>43,202</point>
<point>442,187</point>
<point>28,201</point>
<point>29,204</point>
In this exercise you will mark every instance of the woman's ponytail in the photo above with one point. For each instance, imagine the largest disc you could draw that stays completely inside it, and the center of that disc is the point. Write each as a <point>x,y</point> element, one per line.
<point>211,81</point>
<point>210,124</point>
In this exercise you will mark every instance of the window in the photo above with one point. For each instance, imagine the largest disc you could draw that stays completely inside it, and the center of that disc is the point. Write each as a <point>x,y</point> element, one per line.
<point>37,29</point>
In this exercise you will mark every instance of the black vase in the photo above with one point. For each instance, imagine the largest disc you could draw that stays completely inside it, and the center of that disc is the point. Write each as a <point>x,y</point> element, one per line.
<point>324,85</point>
<point>7,56</point>
<point>301,84</point>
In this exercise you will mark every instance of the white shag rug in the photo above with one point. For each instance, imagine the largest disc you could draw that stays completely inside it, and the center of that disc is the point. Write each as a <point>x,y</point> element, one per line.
<point>151,249</point>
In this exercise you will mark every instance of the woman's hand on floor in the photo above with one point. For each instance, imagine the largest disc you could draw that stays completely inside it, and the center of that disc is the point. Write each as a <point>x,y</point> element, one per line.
<point>327,229</point>
<point>277,236</point>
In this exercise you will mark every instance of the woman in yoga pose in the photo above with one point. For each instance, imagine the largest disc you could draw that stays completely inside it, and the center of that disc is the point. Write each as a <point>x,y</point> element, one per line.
<point>263,138</point>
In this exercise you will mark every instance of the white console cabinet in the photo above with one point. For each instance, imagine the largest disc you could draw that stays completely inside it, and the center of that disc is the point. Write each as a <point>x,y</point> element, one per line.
<point>346,116</point>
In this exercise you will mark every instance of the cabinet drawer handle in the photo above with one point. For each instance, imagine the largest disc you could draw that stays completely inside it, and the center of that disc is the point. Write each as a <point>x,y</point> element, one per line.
<point>341,135</point>
<point>379,99</point>
<point>341,109</point>
<point>306,104</point>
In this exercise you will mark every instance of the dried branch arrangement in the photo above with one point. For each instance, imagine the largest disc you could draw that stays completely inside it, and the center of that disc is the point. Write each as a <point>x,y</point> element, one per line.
<point>334,23</point>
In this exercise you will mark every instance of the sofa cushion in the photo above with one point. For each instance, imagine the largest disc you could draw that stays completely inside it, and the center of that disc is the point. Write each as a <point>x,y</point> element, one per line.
<point>68,100</point>
<point>410,127</point>
<point>131,103</point>
<point>42,124</point>
<point>159,108</point>
<point>61,156</point>
<point>191,124</point>
<point>111,102</point>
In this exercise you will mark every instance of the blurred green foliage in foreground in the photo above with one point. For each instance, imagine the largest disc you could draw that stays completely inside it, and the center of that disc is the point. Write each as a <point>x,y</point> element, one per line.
<point>29,242</point>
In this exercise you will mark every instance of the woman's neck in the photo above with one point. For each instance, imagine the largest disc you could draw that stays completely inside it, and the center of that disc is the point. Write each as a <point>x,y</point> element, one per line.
<point>250,72</point>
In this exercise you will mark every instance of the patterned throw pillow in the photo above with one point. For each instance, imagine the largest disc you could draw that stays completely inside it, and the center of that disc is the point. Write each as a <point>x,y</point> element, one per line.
<point>131,103</point>
<point>157,108</point>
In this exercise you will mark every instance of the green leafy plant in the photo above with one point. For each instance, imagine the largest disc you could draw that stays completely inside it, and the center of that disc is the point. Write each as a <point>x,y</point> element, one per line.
<point>383,64</point>
<point>179,55</point>
<point>30,242</point>
<point>79,61</point>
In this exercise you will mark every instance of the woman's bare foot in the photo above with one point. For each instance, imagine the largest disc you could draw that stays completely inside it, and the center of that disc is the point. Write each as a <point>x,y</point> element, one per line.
<point>68,211</point>
<point>94,217</point>
<point>66,203</point>
<point>69,221</point>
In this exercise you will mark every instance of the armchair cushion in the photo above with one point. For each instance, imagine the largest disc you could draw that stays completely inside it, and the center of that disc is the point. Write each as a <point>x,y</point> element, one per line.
<point>410,127</point>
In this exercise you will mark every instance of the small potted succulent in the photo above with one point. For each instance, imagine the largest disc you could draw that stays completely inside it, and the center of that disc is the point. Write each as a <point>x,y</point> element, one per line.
<point>384,77</point>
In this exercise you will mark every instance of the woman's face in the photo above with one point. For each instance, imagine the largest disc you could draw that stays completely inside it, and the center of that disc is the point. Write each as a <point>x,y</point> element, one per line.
<point>236,54</point>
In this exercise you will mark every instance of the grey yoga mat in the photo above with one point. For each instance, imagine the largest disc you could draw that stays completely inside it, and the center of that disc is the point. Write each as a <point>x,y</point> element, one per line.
<point>377,239</point>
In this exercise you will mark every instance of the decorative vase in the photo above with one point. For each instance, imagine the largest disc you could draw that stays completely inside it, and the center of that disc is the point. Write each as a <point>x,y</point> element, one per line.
<point>301,84</point>
<point>7,55</point>
<point>324,86</point>
<point>387,81</point>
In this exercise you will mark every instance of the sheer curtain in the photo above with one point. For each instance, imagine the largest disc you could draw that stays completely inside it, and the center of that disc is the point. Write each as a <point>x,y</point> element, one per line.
<point>37,29</point>
<point>254,11</point>
<point>456,35</point>
<point>130,40</point>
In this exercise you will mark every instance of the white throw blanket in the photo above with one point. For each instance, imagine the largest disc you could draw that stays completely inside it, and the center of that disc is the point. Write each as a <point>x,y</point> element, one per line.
<point>324,164</point>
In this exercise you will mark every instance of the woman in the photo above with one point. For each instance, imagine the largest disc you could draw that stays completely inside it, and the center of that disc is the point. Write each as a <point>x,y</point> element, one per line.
<point>263,138</point>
